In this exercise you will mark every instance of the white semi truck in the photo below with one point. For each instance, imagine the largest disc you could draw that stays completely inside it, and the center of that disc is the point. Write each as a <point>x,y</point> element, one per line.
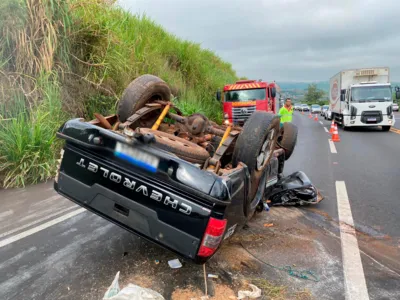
<point>362,97</point>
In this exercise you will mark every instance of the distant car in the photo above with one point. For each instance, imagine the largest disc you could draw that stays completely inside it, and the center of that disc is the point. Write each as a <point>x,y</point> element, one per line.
<point>395,107</point>
<point>304,107</point>
<point>297,106</point>
<point>328,114</point>
<point>324,109</point>
<point>315,109</point>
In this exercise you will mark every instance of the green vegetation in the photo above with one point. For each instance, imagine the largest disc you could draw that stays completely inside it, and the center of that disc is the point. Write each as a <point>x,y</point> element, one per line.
<point>315,95</point>
<point>71,58</point>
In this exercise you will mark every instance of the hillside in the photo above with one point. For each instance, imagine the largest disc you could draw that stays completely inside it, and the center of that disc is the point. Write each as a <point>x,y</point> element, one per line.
<point>71,58</point>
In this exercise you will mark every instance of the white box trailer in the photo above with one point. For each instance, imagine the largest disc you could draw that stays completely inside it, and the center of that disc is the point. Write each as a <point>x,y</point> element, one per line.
<point>362,97</point>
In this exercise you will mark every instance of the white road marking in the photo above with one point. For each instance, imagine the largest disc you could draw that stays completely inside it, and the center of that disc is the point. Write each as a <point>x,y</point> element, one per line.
<point>41,227</point>
<point>320,122</point>
<point>326,129</point>
<point>332,146</point>
<point>355,285</point>
<point>37,221</point>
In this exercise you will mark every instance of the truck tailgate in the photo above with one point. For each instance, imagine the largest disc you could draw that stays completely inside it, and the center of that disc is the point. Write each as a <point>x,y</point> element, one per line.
<point>167,216</point>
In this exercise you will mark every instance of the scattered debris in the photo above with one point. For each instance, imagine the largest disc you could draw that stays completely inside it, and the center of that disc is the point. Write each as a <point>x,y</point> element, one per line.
<point>268,224</point>
<point>213,276</point>
<point>254,294</point>
<point>130,292</point>
<point>175,264</point>
<point>156,261</point>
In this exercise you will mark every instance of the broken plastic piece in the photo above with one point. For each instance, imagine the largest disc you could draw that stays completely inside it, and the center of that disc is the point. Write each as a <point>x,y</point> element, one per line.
<point>212,276</point>
<point>295,189</point>
<point>268,224</point>
<point>254,294</point>
<point>174,264</point>
<point>130,292</point>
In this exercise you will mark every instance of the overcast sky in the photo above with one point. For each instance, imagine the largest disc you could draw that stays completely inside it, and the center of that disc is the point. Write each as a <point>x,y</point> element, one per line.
<point>286,40</point>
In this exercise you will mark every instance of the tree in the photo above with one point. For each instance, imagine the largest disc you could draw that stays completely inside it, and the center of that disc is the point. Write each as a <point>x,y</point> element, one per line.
<point>313,94</point>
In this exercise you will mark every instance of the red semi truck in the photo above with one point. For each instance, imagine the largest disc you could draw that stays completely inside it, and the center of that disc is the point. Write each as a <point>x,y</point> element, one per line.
<point>244,97</point>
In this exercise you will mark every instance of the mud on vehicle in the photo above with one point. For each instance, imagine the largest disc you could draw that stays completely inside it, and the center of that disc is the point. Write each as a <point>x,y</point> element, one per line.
<point>183,182</point>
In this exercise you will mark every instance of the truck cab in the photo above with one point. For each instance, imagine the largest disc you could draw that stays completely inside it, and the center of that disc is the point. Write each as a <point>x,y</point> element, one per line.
<point>362,97</point>
<point>244,97</point>
<point>368,103</point>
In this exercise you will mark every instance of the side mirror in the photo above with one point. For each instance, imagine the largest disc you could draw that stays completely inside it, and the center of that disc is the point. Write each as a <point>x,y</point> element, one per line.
<point>218,95</point>
<point>273,92</point>
<point>397,92</point>
<point>342,97</point>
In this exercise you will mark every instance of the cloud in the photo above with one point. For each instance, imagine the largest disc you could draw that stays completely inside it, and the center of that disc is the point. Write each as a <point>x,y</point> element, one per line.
<point>286,40</point>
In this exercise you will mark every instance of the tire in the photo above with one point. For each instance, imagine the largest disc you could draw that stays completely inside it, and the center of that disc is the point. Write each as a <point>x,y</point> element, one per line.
<point>288,138</point>
<point>180,147</point>
<point>386,128</point>
<point>260,131</point>
<point>140,91</point>
<point>251,139</point>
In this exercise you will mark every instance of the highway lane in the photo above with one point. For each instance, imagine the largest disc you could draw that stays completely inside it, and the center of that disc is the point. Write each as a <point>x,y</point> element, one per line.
<point>367,160</point>
<point>397,117</point>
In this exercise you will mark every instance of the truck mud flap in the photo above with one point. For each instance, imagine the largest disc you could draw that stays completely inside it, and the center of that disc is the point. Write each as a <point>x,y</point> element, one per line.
<point>295,189</point>
<point>128,214</point>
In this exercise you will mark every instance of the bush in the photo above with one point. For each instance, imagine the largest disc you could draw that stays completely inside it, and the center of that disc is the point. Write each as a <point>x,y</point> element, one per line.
<point>63,58</point>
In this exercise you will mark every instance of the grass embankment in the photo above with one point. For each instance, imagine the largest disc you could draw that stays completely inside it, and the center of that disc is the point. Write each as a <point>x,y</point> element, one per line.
<point>70,58</point>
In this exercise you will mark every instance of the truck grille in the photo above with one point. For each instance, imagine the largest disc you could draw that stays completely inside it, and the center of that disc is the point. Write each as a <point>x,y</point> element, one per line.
<point>242,113</point>
<point>371,117</point>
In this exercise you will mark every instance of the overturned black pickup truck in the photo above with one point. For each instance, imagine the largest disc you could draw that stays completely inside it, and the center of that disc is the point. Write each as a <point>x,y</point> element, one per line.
<point>184,183</point>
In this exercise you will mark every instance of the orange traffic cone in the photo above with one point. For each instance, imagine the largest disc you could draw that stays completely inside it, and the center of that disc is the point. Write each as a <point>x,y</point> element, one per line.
<point>310,116</point>
<point>335,135</point>
<point>332,127</point>
<point>302,112</point>
<point>316,117</point>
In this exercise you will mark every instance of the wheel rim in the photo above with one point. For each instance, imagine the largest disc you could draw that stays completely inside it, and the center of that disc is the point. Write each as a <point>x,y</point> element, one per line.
<point>266,150</point>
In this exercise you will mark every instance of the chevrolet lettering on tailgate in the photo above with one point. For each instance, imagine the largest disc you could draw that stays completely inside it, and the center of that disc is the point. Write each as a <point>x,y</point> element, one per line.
<point>132,185</point>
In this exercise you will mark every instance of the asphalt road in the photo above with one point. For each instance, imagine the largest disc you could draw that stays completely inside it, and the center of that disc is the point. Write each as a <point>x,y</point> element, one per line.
<point>397,117</point>
<point>367,159</point>
<point>52,249</point>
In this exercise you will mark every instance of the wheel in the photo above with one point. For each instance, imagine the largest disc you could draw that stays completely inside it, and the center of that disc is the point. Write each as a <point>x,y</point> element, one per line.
<point>144,89</point>
<point>254,147</point>
<point>386,128</point>
<point>180,147</point>
<point>288,138</point>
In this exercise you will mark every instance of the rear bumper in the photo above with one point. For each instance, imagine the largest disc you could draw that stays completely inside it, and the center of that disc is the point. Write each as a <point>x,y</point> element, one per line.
<point>130,215</point>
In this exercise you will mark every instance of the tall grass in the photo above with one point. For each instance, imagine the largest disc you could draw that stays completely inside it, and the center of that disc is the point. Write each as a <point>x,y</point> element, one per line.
<point>28,149</point>
<point>77,56</point>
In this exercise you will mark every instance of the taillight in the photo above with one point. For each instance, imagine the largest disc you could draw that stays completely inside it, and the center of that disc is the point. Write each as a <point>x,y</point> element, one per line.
<point>212,237</point>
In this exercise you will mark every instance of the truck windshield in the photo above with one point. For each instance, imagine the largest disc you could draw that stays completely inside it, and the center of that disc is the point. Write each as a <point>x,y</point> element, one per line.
<point>371,93</point>
<point>245,95</point>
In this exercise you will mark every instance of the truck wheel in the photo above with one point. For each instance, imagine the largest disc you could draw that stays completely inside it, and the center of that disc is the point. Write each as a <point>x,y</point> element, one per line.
<point>256,142</point>
<point>180,147</point>
<point>386,128</point>
<point>254,147</point>
<point>144,89</point>
<point>288,138</point>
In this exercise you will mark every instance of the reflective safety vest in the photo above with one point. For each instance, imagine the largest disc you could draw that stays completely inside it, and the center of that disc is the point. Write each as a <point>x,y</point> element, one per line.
<point>285,114</point>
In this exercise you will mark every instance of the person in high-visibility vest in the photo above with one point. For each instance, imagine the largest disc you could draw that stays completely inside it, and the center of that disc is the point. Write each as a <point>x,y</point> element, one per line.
<point>286,112</point>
